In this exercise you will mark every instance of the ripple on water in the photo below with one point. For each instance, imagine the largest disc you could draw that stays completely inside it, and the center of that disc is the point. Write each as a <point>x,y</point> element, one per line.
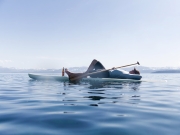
<point>51,107</point>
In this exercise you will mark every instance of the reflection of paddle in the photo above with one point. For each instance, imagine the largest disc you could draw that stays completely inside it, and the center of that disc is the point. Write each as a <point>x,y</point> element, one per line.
<point>87,74</point>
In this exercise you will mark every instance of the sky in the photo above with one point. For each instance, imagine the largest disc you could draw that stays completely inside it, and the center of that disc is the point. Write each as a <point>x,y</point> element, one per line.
<point>71,33</point>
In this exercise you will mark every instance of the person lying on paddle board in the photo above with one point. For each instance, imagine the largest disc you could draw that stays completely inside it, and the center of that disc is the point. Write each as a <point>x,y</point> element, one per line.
<point>97,66</point>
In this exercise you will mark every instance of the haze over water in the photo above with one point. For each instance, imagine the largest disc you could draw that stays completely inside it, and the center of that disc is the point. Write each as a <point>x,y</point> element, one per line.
<point>52,107</point>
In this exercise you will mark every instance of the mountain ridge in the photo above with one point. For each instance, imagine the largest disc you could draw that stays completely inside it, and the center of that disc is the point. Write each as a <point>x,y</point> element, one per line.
<point>142,69</point>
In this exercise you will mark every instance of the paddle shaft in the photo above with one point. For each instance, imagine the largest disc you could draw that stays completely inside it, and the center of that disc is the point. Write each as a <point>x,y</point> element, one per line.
<point>83,75</point>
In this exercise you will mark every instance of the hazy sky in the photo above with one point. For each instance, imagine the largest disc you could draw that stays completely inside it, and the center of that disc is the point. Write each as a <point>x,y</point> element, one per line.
<point>57,33</point>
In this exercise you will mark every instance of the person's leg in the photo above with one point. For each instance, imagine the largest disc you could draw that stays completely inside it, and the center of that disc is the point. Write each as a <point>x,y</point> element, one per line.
<point>72,75</point>
<point>90,69</point>
<point>91,66</point>
<point>96,65</point>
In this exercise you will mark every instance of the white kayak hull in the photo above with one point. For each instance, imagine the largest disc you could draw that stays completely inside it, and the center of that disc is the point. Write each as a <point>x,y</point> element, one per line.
<point>65,78</point>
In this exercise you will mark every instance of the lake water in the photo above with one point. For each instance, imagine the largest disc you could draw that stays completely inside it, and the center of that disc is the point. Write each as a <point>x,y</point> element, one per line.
<point>57,108</point>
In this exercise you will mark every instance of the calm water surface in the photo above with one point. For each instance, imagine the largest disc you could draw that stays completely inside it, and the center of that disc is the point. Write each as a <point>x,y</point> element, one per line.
<point>52,107</point>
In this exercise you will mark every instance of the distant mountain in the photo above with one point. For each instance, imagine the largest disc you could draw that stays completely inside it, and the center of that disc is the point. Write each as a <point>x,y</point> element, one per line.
<point>167,71</point>
<point>15,70</point>
<point>142,69</point>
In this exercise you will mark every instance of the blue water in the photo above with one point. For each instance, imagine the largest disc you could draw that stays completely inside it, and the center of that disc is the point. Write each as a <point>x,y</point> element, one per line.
<point>51,107</point>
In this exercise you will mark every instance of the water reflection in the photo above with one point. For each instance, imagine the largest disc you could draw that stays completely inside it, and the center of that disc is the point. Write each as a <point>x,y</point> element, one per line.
<point>88,93</point>
<point>93,105</point>
<point>52,107</point>
<point>95,97</point>
<point>134,86</point>
<point>113,93</point>
<point>131,85</point>
<point>95,92</point>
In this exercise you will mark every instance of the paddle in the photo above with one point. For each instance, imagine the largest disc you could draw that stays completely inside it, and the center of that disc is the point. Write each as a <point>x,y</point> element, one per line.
<point>83,75</point>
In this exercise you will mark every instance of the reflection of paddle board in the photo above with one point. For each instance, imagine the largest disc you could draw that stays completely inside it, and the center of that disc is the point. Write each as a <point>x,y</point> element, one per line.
<point>64,78</point>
